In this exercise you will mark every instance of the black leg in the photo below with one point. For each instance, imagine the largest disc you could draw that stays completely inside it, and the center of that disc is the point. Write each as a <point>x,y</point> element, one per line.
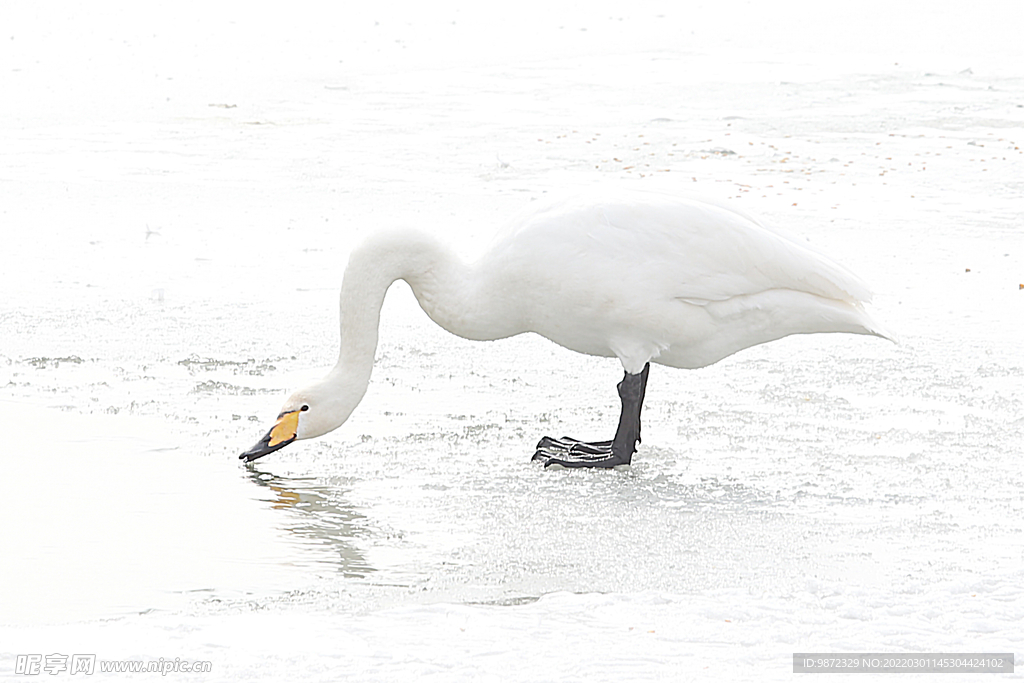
<point>569,452</point>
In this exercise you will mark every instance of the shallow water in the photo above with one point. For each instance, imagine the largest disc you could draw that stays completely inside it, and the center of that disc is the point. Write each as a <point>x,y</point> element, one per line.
<point>178,200</point>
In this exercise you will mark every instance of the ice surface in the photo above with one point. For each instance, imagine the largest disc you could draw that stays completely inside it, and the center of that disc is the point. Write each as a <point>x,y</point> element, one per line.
<point>179,189</point>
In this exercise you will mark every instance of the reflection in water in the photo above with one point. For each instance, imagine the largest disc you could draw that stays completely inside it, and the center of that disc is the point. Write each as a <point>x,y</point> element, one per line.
<point>319,516</point>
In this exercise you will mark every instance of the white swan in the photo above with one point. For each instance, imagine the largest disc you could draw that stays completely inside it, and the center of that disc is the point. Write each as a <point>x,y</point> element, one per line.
<point>641,277</point>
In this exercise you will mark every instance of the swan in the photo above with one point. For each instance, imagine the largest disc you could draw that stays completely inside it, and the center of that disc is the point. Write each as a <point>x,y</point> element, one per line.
<point>642,277</point>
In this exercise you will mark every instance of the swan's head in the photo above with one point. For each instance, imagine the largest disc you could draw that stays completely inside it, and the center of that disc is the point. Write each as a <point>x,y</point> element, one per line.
<point>307,413</point>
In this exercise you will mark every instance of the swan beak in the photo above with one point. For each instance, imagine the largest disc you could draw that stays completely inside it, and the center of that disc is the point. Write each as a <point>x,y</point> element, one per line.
<point>280,435</point>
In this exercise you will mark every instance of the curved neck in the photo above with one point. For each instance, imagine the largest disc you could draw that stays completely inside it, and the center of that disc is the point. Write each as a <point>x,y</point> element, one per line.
<point>433,273</point>
<point>474,302</point>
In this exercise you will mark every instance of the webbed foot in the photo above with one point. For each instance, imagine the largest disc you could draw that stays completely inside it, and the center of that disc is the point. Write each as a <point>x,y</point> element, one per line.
<point>569,452</point>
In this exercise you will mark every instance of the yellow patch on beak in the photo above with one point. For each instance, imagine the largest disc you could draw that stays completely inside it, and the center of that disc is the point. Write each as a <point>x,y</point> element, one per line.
<point>285,429</point>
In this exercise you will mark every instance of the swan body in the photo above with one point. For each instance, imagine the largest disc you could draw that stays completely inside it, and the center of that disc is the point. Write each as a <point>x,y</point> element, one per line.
<point>641,277</point>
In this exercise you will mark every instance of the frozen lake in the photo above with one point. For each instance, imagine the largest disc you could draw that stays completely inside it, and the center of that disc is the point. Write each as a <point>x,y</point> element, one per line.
<point>178,195</point>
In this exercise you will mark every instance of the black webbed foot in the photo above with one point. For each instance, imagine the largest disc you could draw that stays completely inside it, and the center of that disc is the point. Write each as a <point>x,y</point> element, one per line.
<point>569,452</point>
<point>569,444</point>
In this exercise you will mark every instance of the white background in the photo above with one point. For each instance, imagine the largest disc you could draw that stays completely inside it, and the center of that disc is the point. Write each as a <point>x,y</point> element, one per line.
<point>180,187</point>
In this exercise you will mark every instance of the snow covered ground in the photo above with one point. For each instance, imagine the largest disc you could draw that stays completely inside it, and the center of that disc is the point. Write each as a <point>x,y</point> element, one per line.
<point>179,188</point>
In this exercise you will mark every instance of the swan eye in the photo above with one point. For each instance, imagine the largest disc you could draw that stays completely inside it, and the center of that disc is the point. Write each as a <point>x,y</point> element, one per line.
<point>304,408</point>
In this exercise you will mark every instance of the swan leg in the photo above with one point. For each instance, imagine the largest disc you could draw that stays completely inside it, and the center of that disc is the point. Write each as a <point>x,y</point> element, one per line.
<point>569,452</point>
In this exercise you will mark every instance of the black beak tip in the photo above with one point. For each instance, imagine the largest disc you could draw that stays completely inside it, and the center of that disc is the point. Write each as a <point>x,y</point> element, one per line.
<point>263,448</point>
